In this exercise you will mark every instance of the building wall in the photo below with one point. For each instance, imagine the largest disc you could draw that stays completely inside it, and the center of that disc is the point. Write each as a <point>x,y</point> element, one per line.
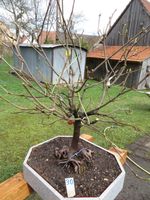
<point>99,74</point>
<point>133,20</point>
<point>92,63</point>
<point>35,65</point>
<point>60,66</point>
<point>70,65</point>
<point>145,83</point>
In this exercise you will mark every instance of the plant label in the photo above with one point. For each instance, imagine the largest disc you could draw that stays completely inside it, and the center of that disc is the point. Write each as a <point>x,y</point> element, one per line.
<point>70,187</point>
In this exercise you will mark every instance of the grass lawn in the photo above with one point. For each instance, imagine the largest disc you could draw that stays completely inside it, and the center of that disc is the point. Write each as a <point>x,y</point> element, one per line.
<point>19,131</point>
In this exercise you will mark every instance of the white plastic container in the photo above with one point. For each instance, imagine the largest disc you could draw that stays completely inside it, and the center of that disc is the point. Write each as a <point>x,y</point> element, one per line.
<point>47,192</point>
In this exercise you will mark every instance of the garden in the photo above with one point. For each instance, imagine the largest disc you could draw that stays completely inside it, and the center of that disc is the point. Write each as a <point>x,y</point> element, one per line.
<point>50,96</point>
<point>19,130</point>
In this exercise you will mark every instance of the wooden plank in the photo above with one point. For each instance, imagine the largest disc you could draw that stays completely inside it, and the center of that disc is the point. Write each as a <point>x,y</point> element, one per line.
<point>120,153</point>
<point>87,137</point>
<point>15,188</point>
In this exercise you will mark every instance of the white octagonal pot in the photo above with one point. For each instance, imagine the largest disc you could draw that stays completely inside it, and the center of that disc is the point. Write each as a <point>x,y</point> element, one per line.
<point>47,192</point>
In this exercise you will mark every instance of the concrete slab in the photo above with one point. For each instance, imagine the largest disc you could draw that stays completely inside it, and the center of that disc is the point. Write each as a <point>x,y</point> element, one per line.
<point>145,92</point>
<point>135,188</point>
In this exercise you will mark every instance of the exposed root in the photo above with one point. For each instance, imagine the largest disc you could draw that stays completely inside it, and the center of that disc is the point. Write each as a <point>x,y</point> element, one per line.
<point>76,160</point>
<point>87,154</point>
<point>62,153</point>
<point>77,165</point>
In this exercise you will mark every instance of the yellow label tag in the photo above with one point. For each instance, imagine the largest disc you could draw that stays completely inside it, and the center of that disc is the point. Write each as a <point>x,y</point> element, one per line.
<point>68,53</point>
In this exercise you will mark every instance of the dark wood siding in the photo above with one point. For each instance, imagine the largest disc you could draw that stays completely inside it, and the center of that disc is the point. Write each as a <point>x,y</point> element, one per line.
<point>132,20</point>
<point>99,74</point>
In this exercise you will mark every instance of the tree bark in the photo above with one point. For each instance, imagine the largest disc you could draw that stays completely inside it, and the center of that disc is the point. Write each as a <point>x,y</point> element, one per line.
<point>76,134</point>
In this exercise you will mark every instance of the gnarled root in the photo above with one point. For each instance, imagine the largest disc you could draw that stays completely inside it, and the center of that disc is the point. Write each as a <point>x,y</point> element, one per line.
<point>77,160</point>
<point>87,154</point>
<point>62,153</point>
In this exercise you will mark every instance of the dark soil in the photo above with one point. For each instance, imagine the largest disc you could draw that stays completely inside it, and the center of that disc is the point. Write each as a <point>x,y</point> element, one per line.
<point>97,176</point>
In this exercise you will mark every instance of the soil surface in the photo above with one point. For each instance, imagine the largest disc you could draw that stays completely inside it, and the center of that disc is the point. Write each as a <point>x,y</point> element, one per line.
<point>90,183</point>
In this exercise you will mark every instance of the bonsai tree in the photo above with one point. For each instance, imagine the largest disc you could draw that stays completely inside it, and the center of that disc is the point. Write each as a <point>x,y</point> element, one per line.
<point>66,99</point>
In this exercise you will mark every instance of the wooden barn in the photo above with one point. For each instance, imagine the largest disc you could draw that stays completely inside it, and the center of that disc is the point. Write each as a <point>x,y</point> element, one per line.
<point>138,62</point>
<point>135,18</point>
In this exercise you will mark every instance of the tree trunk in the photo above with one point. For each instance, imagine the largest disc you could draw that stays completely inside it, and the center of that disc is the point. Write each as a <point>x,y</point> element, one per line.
<point>76,134</point>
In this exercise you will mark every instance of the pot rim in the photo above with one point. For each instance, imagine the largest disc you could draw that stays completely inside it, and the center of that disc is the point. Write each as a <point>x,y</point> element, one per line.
<point>25,164</point>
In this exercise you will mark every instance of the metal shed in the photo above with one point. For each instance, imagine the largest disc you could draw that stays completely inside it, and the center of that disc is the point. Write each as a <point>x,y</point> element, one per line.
<point>52,63</point>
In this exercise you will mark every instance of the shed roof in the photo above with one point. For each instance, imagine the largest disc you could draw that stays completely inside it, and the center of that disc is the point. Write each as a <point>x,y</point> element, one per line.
<point>135,54</point>
<point>50,46</point>
<point>146,5</point>
<point>42,45</point>
<point>51,37</point>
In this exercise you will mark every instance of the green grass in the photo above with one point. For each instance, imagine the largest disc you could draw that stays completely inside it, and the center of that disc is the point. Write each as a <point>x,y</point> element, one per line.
<point>19,131</point>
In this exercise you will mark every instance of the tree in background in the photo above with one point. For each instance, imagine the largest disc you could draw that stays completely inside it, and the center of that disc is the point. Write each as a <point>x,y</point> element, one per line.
<point>15,11</point>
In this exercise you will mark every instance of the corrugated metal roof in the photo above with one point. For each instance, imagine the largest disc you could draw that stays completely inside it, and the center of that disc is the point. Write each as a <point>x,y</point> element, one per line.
<point>42,45</point>
<point>146,5</point>
<point>50,46</point>
<point>51,36</point>
<point>136,53</point>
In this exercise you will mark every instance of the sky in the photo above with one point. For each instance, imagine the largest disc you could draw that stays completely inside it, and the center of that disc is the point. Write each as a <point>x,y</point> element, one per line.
<point>91,9</point>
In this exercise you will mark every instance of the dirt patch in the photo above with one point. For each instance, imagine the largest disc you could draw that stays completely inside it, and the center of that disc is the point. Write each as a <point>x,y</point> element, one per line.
<point>90,183</point>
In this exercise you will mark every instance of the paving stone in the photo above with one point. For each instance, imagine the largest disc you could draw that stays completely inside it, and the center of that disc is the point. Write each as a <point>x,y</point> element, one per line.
<point>135,188</point>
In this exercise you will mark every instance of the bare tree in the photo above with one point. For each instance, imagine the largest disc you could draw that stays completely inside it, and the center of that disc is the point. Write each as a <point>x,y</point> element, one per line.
<point>69,103</point>
<point>41,18</point>
<point>15,13</point>
<point>27,16</point>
